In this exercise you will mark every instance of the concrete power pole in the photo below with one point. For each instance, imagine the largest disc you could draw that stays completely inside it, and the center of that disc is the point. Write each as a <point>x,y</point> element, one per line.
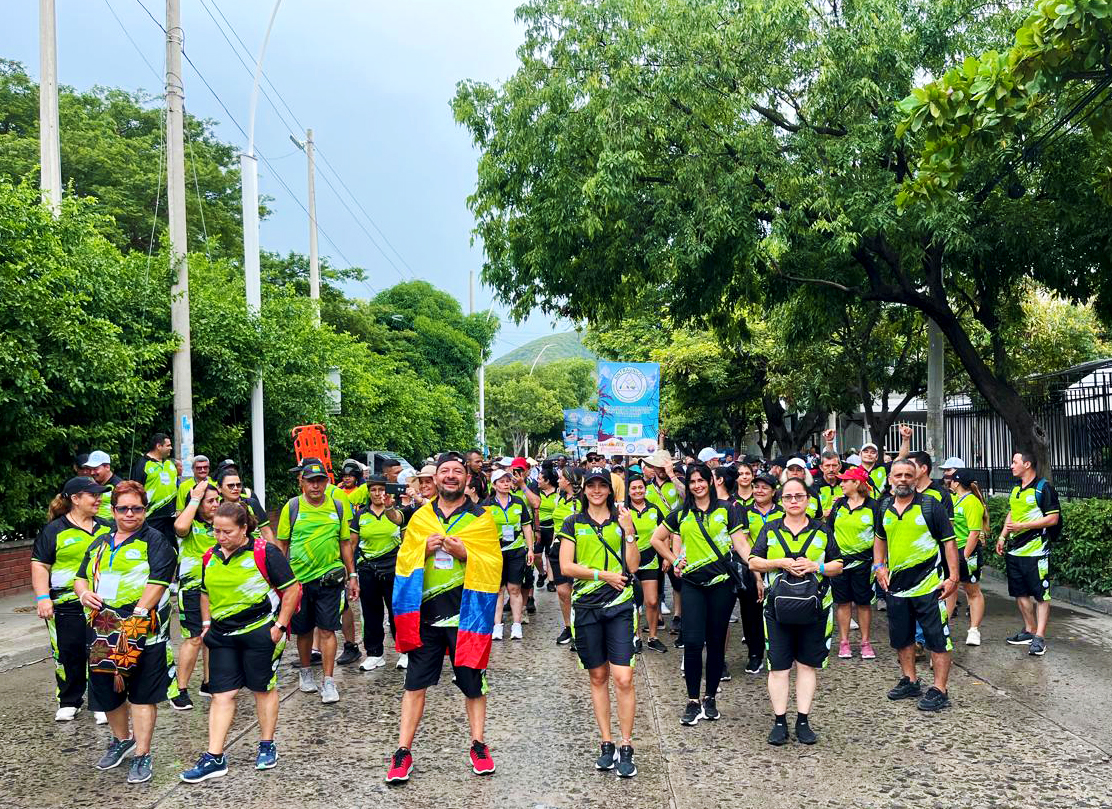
<point>936,365</point>
<point>482,367</point>
<point>314,259</point>
<point>175,201</point>
<point>50,160</point>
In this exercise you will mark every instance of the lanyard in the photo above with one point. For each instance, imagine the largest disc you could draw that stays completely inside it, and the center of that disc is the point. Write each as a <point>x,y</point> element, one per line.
<point>452,524</point>
<point>115,547</point>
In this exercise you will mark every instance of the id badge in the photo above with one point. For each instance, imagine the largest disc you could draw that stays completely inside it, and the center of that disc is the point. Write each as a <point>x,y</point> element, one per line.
<point>507,534</point>
<point>443,560</point>
<point>108,586</point>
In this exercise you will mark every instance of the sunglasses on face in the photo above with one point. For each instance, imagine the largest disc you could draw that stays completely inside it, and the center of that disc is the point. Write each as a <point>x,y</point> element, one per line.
<point>234,485</point>
<point>129,509</point>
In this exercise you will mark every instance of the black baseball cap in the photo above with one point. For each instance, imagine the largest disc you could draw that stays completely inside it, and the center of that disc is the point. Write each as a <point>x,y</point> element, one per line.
<point>312,468</point>
<point>965,477</point>
<point>451,455</point>
<point>83,484</point>
<point>598,474</point>
<point>376,480</point>
<point>390,462</point>
<point>767,479</point>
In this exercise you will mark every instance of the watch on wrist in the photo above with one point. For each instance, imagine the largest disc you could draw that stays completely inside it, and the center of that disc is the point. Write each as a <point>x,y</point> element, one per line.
<point>142,612</point>
<point>279,626</point>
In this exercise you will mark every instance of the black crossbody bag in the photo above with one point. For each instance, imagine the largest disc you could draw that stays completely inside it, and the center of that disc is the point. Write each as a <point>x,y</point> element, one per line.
<point>634,582</point>
<point>732,566</point>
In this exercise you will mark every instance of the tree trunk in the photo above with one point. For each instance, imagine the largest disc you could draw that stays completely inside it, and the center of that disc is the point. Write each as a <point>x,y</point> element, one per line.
<point>789,440</point>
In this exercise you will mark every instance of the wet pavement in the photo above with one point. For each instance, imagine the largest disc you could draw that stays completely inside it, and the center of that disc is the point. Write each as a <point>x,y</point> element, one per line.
<point>1023,731</point>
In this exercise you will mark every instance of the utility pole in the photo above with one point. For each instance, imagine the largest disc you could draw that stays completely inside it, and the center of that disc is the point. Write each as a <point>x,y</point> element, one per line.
<point>314,260</point>
<point>175,202</point>
<point>50,160</point>
<point>482,367</point>
<point>936,359</point>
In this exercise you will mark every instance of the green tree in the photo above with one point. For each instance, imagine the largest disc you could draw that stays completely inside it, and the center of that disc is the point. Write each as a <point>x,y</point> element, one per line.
<point>523,405</point>
<point>658,142</point>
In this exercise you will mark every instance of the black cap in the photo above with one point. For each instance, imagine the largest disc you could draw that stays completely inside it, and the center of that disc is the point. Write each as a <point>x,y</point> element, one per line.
<point>390,462</point>
<point>965,477</point>
<point>767,479</point>
<point>451,455</point>
<point>81,459</point>
<point>598,474</point>
<point>750,460</point>
<point>780,460</point>
<point>82,484</point>
<point>376,480</point>
<point>312,468</point>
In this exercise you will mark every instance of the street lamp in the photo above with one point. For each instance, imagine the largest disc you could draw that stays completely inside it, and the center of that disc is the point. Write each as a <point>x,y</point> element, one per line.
<point>534,365</point>
<point>249,178</point>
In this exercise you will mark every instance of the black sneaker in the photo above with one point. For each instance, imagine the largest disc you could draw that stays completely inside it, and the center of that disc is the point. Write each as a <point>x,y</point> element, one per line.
<point>564,637</point>
<point>572,647</point>
<point>934,700</point>
<point>679,641</point>
<point>551,587</point>
<point>182,701</point>
<point>659,623</point>
<point>315,658</point>
<point>541,579</point>
<point>754,665</point>
<point>117,749</point>
<point>1038,647</point>
<point>531,606</point>
<point>778,735</point>
<point>656,645</point>
<point>803,732</point>
<point>905,689</point>
<point>638,646</point>
<point>605,760</point>
<point>140,770</point>
<point>692,713</point>
<point>626,767</point>
<point>726,676</point>
<point>349,655</point>
<point>710,709</point>
<point>204,690</point>
<point>1021,638</point>
<point>677,625</point>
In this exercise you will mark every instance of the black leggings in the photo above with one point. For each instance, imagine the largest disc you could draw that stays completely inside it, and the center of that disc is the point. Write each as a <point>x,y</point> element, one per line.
<point>752,617</point>
<point>376,590</point>
<point>706,618</point>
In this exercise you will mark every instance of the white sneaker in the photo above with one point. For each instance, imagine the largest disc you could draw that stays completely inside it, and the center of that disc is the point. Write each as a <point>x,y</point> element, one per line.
<point>328,692</point>
<point>101,717</point>
<point>853,624</point>
<point>497,633</point>
<point>65,714</point>
<point>403,662</point>
<point>369,663</point>
<point>664,609</point>
<point>515,632</point>
<point>973,637</point>
<point>305,682</point>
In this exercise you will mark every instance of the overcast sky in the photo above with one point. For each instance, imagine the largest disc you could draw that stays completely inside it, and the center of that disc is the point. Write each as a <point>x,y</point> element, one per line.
<point>372,79</point>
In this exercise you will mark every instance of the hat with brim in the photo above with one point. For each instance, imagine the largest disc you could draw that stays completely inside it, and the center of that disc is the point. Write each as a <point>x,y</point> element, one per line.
<point>98,458</point>
<point>311,471</point>
<point>83,485</point>
<point>953,462</point>
<point>871,446</point>
<point>498,474</point>
<point>855,473</point>
<point>598,474</point>
<point>965,477</point>
<point>428,471</point>
<point>766,479</point>
<point>659,459</point>
<point>796,461</point>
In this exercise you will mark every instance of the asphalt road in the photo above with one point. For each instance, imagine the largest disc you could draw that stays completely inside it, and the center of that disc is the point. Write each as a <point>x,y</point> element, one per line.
<point>1023,731</point>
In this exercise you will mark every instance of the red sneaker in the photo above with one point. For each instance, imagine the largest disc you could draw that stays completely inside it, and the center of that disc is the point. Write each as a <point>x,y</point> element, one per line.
<point>481,762</point>
<point>401,765</point>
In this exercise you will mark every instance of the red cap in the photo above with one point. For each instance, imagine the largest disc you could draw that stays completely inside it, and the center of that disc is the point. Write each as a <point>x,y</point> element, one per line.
<point>857,473</point>
<point>519,463</point>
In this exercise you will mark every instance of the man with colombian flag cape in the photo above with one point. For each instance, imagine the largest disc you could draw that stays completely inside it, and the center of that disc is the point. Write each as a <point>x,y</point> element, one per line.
<point>446,582</point>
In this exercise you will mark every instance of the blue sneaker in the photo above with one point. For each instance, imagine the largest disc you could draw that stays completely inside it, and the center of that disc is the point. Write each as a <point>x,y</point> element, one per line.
<point>267,757</point>
<point>207,766</point>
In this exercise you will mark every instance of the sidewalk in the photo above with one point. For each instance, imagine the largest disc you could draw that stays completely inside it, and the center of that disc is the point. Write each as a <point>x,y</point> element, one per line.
<point>23,637</point>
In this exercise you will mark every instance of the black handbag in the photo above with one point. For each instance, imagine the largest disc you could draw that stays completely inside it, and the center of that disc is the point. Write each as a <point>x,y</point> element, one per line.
<point>733,566</point>
<point>796,600</point>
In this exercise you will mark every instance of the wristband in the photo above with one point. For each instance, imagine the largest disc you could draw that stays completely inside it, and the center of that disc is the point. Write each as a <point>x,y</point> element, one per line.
<point>878,567</point>
<point>206,623</point>
<point>596,574</point>
<point>193,501</point>
<point>42,598</point>
<point>822,568</point>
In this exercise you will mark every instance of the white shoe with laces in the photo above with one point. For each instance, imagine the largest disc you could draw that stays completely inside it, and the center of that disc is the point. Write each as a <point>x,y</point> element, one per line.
<point>973,636</point>
<point>328,692</point>
<point>370,663</point>
<point>497,633</point>
<point>65,714</point>
<point>664,609</point>
<point>101,717</point>
<point>515,632</point>
<point>305,682</point>
<point>403,662</point>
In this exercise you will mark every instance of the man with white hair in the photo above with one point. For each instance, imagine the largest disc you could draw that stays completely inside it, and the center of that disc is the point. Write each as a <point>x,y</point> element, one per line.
<point>710,456</point>
<point>796,467</point>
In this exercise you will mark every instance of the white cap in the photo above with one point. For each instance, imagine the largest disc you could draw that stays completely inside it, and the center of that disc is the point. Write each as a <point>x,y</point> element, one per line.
<point>98,458</point>
<point>707,454</point>
<point>796,462</point>
<point>870,445</point>
<point>953,462</point>
<point>505,461</point>
<point>405,475</point>
<point>498,475</point>
<point>854,460</point>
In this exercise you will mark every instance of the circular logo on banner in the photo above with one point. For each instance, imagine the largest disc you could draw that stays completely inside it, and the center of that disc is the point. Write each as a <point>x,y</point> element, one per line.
<point>630,384</point>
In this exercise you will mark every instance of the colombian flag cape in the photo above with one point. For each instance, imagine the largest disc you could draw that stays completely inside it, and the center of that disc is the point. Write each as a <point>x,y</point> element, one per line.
<point>481,579</point>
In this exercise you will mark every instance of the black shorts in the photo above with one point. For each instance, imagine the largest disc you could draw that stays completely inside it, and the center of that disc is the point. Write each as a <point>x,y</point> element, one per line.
<point>854,586</point>
<point>250,660</point>
<point>970,569</point>
<point>147,684</point>
<point>513,566</point>
<point>189,612</point>
<point>928,612</point>
<point>604,635</point>
<point>427,661</point>
<point>1028,576</point>
<point>807,644</point>
<point>543,539</point>
<point>554,563</point>
<point>321,608</point>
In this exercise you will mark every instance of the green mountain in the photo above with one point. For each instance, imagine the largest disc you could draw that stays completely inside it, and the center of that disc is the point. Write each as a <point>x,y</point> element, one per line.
<point>564,346</point>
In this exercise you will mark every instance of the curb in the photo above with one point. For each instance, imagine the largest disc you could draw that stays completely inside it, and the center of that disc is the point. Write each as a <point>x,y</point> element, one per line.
<point>1060,592</point>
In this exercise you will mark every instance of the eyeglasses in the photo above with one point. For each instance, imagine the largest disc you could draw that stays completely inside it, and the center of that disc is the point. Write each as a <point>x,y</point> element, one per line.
<point>792,498</point>
<point>129,509</point>
<point>234,485</point>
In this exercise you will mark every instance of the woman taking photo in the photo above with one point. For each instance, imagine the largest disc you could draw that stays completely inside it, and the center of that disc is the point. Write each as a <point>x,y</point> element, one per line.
<point>708,529</point>
<point>514,521</point>
<point>853,522</point>
<point>376,530</point>
<point>58,552</point>
<point>570,484</point>
<point>245,622</point>
<point>598,549</point>
<point>126,573</point>
<point>970,527</point>
<point>646,517</point>
<point>802,547</point>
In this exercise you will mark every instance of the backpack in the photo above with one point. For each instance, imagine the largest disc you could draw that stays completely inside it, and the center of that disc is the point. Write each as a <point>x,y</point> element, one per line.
<point>1053,532</point>
<point>795,600</point>
<point>258,550</point>
<point>295,507</point>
